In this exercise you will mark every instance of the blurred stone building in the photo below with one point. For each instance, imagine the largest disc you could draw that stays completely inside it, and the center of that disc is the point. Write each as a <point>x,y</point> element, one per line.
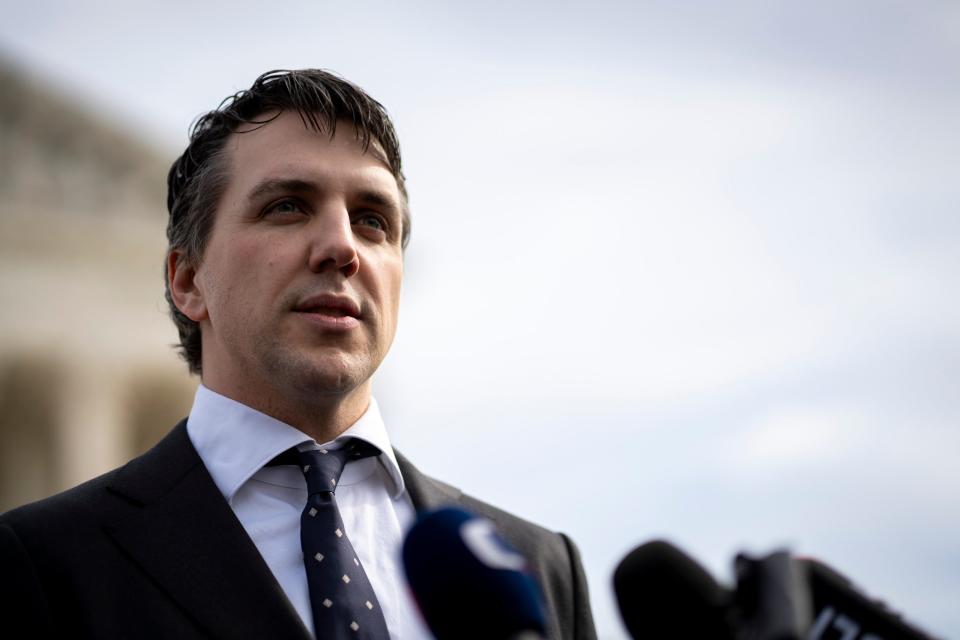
<point>88,377</point>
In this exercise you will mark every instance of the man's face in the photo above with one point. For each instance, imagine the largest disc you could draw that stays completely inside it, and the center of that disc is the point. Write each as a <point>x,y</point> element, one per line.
<point>300,279</point>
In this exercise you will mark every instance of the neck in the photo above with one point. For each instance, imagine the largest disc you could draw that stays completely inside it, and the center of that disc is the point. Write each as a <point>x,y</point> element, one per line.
<point>322,416</point>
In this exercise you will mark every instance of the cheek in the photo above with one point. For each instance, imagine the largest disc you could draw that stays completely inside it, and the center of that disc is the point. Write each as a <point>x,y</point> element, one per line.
<point>229,276</point>
<point>384,287</point>
<point>392,299</point>
<point>389,277</point>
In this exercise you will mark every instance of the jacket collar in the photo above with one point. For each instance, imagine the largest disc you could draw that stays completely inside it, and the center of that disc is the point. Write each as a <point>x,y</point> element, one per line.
<point>183,533</point>
<point>426,493</point>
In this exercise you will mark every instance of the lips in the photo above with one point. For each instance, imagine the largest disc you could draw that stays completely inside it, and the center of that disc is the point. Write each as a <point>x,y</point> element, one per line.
<point>329,305</point>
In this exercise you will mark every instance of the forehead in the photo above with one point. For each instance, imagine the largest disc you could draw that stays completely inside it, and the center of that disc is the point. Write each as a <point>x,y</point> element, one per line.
<point>285,147</point>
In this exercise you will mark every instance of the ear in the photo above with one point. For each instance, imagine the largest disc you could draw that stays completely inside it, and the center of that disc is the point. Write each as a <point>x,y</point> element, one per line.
<point>181,277</point>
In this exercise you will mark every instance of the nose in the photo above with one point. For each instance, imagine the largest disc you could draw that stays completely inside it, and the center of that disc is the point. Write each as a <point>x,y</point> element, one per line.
<point>332,243</point>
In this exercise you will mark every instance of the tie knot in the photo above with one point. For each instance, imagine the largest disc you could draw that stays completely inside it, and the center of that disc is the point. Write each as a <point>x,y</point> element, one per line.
<point>322,467</point>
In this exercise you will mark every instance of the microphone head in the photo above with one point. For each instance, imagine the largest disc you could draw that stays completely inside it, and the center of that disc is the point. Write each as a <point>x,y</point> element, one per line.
<point>663,593</point>
<point>467,581</point>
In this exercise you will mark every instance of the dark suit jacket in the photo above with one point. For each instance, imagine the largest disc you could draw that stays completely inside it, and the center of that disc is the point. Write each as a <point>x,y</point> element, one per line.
<point>152,550</point>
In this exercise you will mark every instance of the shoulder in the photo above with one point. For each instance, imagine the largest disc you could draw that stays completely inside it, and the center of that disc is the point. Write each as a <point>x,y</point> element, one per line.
<point>40,542</point>
<point>525,535</point>
<point>552,556</point>
<point>64,512</point>
<point>555,561</point>
<point>429,493</point>
<point>66,517</point>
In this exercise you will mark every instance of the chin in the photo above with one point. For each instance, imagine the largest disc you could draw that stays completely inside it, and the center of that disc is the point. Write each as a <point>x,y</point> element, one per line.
<point>327,374</point>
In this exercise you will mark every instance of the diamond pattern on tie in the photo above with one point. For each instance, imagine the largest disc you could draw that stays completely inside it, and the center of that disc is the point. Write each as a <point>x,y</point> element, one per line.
<point>342,600</point>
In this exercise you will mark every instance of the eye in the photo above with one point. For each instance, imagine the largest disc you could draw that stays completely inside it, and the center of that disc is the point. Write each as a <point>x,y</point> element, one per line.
<point>283,208</point>
<point>371,220</point>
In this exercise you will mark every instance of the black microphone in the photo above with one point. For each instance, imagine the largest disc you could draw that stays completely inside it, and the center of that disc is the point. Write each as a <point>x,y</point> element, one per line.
<point>663,593</point>
<point>468,582</point>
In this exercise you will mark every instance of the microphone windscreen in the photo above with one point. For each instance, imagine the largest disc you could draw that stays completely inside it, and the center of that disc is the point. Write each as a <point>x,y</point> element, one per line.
<point>663,593</point>
<point>468,582</point>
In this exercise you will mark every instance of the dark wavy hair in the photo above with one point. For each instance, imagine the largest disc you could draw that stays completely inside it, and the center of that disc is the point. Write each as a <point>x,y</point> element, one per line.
<point>198,178</point>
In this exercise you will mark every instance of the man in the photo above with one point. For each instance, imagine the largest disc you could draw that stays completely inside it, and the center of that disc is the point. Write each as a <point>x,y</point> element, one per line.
<point>288,222</point>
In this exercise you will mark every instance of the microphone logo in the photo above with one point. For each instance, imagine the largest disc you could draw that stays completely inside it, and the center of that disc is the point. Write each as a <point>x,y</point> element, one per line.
<point>480,537</point>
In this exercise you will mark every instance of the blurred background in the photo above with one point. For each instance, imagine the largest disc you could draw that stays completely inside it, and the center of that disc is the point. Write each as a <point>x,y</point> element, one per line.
<point>678,269</point>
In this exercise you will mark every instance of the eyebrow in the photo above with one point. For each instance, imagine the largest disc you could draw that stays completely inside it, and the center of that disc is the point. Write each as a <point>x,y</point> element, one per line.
<point>273,186</point>
<point>377,199</point>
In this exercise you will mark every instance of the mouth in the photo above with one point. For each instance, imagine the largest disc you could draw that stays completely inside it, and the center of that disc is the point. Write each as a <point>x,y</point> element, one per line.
<point>330,311</point>
<point>334,312</point>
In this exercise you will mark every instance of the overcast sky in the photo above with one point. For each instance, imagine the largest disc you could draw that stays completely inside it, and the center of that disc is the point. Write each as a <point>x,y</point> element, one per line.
<point>677,269</point>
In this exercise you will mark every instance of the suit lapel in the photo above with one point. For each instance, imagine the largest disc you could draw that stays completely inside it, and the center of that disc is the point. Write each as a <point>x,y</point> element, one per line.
<point>186,537</point>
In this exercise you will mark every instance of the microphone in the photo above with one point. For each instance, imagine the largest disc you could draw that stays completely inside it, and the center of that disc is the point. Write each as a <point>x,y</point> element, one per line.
<point>468,582</point>
<point>663,593</point>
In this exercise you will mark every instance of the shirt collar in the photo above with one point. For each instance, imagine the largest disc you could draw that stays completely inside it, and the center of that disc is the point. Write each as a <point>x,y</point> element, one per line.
<point>235,441</point>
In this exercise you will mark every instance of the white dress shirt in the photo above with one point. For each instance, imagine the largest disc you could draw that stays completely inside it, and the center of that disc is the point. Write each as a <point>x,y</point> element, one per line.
<point>235,442</point>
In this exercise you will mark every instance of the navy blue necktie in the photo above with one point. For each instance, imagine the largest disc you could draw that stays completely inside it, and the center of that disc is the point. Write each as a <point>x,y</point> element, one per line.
<point>341,597</point>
